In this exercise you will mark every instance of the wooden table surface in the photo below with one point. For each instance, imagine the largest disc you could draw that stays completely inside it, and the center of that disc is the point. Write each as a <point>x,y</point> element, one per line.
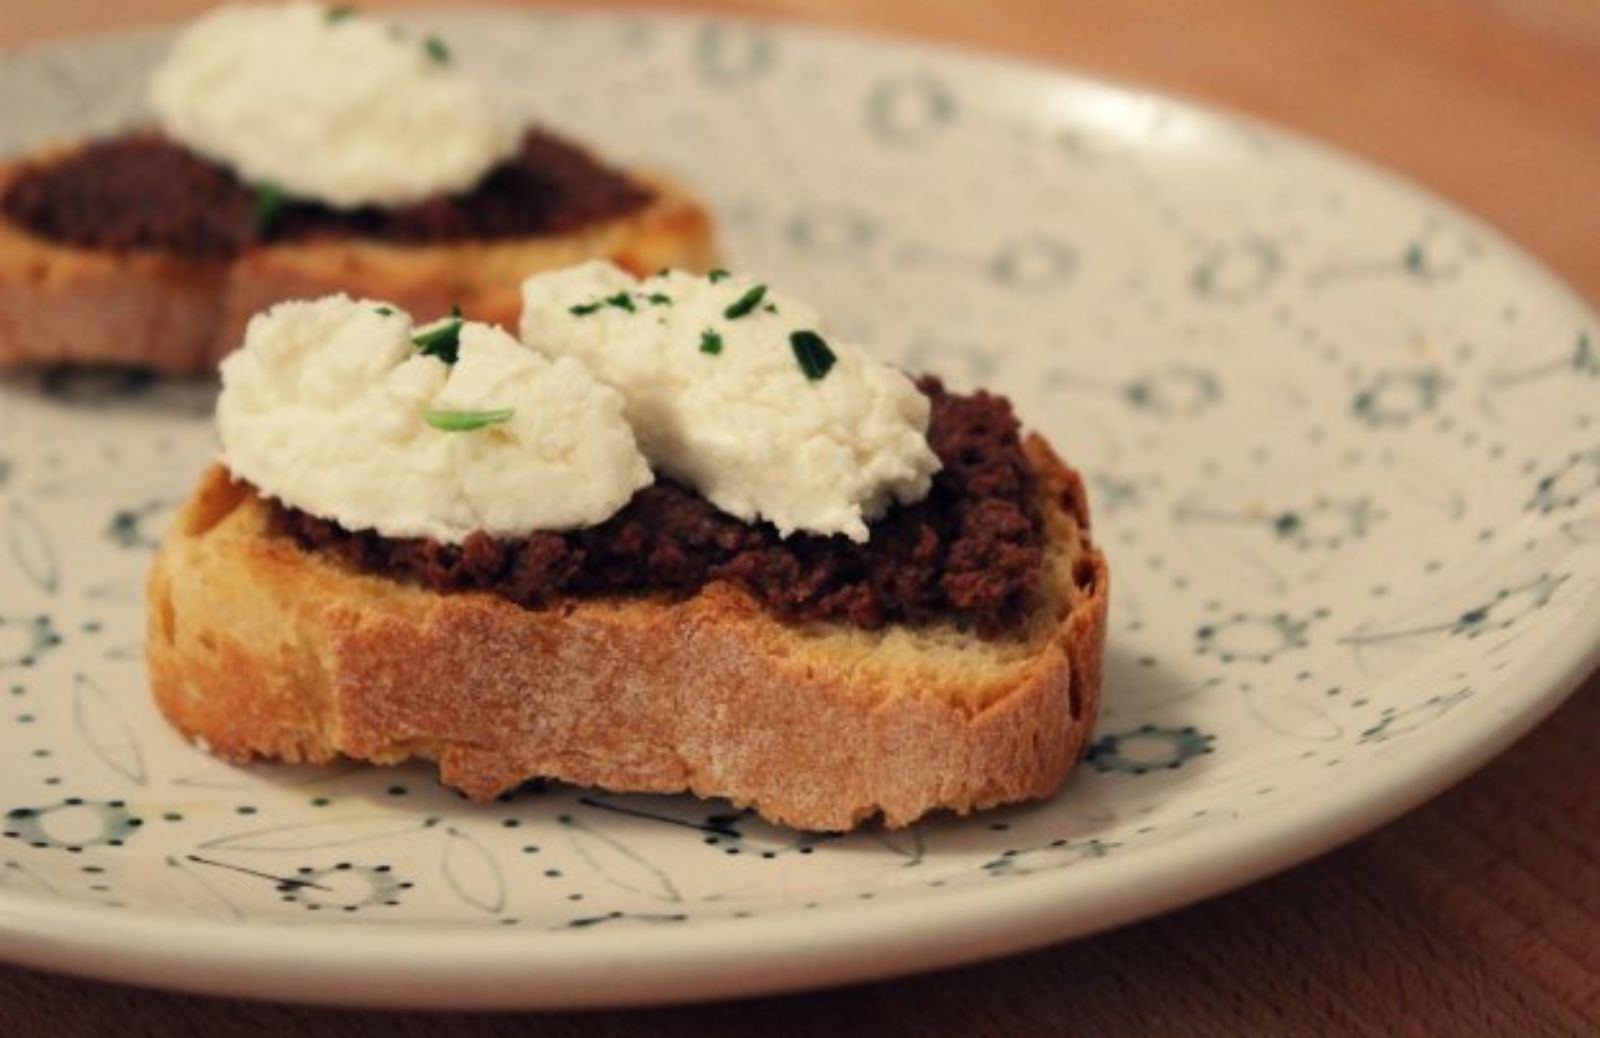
<point>1477,914</point>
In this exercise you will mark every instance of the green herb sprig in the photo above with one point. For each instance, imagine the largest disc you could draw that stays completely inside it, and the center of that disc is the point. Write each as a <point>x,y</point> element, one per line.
<point>468,421</point>
<point>266,208</point>
<point>717,275</point>
<point>745,303</point>
<point>437,50</point>
<point>444,341</point>
<point>710,342</point>
<point>620,301</point>
<point>812,353</point>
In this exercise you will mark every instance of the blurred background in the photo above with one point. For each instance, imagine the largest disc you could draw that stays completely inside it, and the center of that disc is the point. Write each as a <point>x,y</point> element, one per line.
<point>1492,103</point>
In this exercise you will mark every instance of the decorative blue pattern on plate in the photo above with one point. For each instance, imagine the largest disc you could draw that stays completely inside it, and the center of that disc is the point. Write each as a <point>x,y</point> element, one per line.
<point>1341,447</point>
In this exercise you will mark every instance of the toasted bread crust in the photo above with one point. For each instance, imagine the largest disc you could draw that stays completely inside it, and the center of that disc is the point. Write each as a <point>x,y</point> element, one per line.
<point>259,649</point>
<point>64,304</point>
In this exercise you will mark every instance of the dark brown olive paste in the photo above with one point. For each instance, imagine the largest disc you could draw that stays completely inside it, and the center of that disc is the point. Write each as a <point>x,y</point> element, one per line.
<point>971,551</point>
<point>142,191</point>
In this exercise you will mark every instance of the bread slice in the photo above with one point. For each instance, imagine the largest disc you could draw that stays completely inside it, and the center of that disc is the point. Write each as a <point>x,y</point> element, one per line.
<point>65,304</point>
<point>258,648</point>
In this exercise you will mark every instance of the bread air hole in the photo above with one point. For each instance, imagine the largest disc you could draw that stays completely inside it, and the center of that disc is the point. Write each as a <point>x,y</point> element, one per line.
<point>1083,575</point>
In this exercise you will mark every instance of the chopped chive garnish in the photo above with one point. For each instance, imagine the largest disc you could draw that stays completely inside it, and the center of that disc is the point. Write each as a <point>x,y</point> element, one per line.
<point>468,421</point>
<point>267,208</point>
<point>710,342</point>
<point>620,301</point>
<point>745,303</point>
<point>437,50</point>
<point>659,299</point>
<point>386,311</point>
<point>812,351</point>
<point>771,308</point>
<point>717,275</point>
<point>340,13</point>
<point>441,342</point>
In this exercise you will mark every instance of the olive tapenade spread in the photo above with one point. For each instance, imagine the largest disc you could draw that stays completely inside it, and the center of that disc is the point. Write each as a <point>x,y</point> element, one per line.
<point>142,191</point>
<point>971,551</point>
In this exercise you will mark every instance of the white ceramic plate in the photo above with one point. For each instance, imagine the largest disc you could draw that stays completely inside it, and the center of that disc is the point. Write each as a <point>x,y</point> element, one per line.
<point>1342,451</point>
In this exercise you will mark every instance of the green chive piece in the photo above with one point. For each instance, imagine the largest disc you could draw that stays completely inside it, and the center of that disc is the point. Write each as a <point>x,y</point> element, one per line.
<point>442,342</point>
<point>437,50</point>
<point>385,311</point>
<point>717,275</point>
<point>468,421</point>
<point>340,13</point>
<point>710,342</point>
<point>745,303</point>
<point>812,351</point>
<point>659,299</point>
<point>620,301</point>
<point>267,208</point>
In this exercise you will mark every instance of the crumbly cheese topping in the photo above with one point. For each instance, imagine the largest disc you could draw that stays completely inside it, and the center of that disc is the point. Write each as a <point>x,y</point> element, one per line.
<point>743,393</point>
<point>333,407</point>
<point>328,104</point>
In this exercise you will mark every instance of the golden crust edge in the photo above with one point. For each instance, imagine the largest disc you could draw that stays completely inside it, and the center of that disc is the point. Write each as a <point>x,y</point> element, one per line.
<point>60,304</point>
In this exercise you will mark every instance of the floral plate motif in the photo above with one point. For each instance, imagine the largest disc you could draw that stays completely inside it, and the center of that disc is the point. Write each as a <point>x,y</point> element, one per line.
<point>1342,449</point>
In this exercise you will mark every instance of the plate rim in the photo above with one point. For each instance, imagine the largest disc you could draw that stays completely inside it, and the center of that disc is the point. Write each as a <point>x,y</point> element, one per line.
<point>521,969</point>
<point>477,969</point>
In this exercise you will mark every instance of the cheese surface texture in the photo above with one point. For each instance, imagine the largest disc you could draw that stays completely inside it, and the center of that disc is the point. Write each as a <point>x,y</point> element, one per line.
<point>328,104</point>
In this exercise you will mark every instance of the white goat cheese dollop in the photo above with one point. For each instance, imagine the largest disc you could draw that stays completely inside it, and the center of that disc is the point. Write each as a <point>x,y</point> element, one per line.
<point>728,391</point>
<point>327,408</point>
<point>328,104</point>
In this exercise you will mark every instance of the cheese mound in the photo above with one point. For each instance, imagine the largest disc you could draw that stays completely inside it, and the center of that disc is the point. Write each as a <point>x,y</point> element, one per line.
<point>328,104</point>
<point>742,393</point>
<point>330,407</point>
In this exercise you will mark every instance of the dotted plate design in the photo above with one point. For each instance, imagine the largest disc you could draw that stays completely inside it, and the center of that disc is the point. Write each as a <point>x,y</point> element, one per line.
<point>1341,447</point>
